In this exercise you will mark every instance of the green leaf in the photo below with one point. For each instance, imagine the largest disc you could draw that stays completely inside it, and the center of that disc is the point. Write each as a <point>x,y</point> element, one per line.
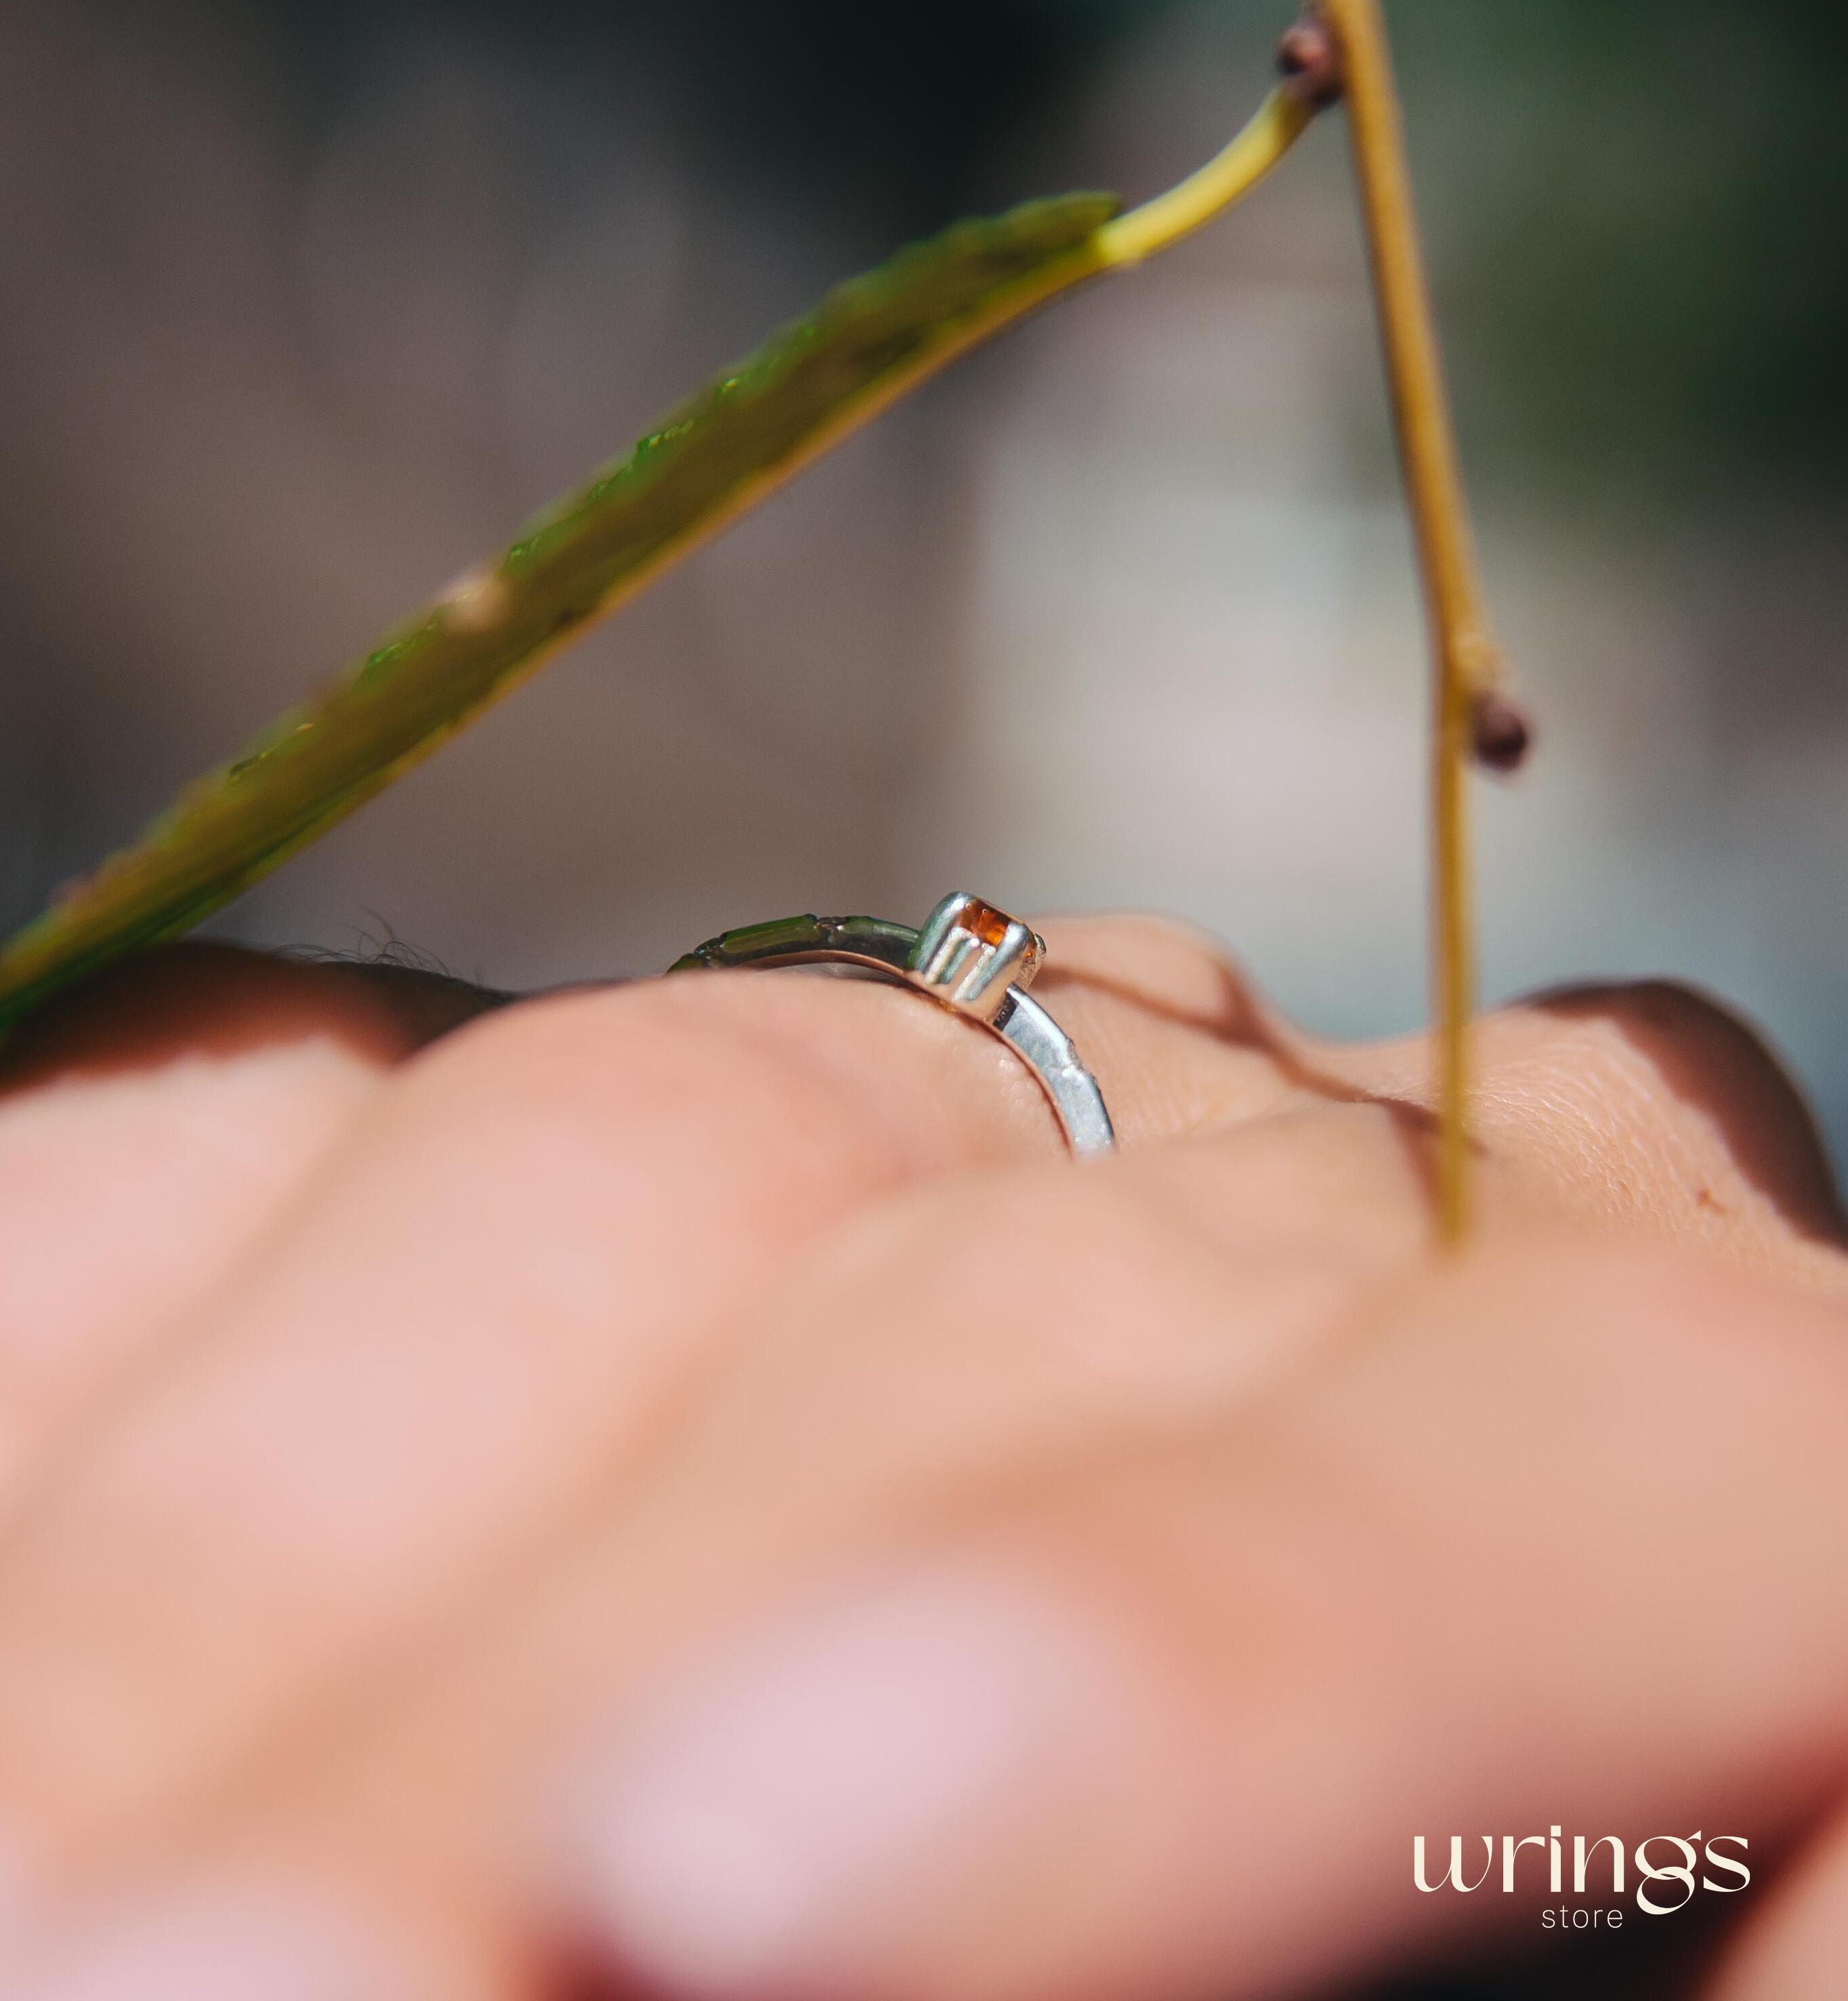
<point>868,341</point>
<point>866,345</point>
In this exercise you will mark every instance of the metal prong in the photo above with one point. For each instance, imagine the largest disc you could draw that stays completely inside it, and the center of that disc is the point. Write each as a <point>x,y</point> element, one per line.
<point>969,954</point>
<point>939,933</point>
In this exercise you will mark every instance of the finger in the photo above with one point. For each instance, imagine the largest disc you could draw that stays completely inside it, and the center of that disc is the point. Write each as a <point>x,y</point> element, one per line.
<point>1024,1320</point>
<point>151,1126</point>
<point>848,1435</point>
<point>680,1188</point>
<point>1310,1207</point>
<point>909,1009</point>
<point>1646,1105</point>
<point>1181,1035</point>
<point>1151,1722</point>
<point>962,1085</point>
<point>1796,1947</point>
<point>497,1286</point>
<point>1665,1067</point>
<point>1170,1729</point>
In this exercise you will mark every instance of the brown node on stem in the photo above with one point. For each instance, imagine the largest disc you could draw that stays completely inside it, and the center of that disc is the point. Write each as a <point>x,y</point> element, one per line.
<point>1309,57</point>
<point>1501,735</point>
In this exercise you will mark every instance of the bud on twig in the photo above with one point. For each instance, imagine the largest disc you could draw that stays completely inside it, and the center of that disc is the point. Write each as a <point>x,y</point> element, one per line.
<point>1500,734</point>
<point>1309,57</point>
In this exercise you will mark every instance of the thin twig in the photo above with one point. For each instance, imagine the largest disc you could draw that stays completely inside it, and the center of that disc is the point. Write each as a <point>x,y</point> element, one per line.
<point>1467,704</point>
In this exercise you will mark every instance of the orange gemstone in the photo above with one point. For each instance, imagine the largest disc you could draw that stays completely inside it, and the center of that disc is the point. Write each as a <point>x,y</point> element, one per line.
<point>985,922</point>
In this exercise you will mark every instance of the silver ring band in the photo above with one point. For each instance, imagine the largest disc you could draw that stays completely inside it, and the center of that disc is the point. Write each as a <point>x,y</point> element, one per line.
<point>970,958</point>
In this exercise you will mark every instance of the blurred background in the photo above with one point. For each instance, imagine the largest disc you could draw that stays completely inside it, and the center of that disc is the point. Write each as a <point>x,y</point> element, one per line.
<point>307,303</point>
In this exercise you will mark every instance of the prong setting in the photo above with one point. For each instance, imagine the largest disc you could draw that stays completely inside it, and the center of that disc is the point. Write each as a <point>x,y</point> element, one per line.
<point>970,954</point>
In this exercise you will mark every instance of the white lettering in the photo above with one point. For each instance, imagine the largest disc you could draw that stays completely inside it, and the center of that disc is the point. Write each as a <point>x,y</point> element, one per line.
<point>1726,1862</point>
<point>1454,1877</point>
<point>1682,1872</point>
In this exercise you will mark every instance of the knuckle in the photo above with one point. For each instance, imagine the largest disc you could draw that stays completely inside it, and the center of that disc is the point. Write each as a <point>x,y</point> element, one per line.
<point>1180,1037</point>
<point>207,998</point>
<point>1678,1041</point>
<point>1159,961</point>
<point>1668,1007</point>
<point>1664,1087</point>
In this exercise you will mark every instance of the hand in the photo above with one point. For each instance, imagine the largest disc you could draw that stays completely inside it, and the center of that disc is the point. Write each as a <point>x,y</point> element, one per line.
<point>684,1488</point>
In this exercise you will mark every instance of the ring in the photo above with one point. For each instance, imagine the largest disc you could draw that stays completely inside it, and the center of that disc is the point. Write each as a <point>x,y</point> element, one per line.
<point>971,958</point>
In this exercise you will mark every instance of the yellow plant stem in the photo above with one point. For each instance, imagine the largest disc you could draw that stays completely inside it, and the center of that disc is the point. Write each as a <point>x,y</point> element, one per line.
<point>1278,123</point>
<point>1467,659</point>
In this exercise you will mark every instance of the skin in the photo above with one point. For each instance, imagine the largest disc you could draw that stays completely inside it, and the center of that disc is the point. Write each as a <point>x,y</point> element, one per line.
<point>450,1447</point>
